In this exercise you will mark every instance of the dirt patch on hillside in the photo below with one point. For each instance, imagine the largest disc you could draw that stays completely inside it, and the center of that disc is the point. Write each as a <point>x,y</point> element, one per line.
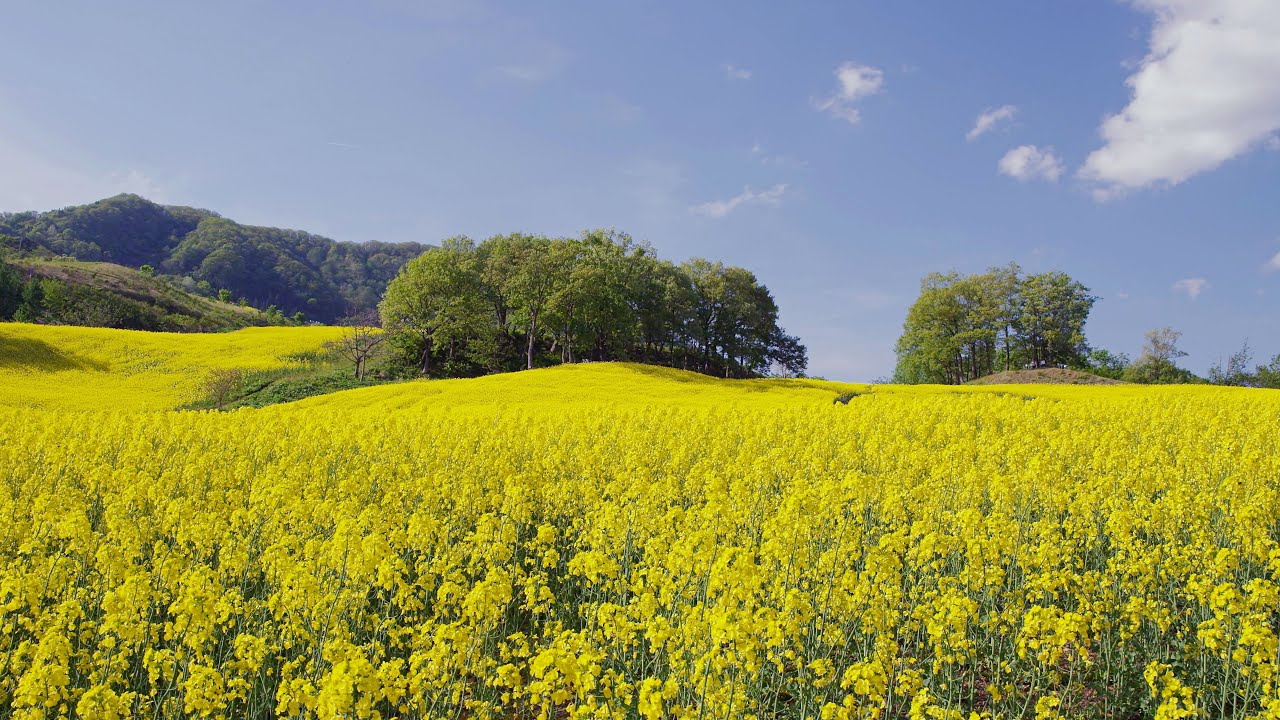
<point>1048,376</point>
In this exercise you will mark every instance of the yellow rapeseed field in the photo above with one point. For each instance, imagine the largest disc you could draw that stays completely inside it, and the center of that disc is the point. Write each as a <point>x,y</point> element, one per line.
<point>98,368</point>
<point>612,541</point>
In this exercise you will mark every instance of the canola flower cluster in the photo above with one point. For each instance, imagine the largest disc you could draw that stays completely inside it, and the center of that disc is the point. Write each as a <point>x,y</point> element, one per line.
<point>616,542</point>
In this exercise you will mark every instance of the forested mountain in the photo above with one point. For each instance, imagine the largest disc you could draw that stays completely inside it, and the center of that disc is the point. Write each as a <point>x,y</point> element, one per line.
<point>204,253</point>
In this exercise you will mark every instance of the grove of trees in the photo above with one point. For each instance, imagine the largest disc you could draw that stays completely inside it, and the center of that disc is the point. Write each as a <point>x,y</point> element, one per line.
<point>521,301</point>
<point>963,327</point>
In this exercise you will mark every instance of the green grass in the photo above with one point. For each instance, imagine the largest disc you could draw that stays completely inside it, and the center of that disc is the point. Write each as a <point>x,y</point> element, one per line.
<point>318,373</point>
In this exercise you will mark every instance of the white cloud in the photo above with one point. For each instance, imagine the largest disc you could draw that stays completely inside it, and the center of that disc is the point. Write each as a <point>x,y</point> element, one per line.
<point>1273,264</point>
<point>855,82</point>
<point>720,208</point>
<point>1028,162</point>
<point>1273,142</point>
<point>31,181</point>
<point>759,152</point>
<point>1122,295</point>
<point>1205,92</point>
<point>1191,286</point>
<point>737,73</point>
<point>988,120</point>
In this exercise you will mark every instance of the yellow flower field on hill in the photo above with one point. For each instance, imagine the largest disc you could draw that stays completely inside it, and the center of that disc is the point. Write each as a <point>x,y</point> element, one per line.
<point>78,368</point>
<point>611,541</point>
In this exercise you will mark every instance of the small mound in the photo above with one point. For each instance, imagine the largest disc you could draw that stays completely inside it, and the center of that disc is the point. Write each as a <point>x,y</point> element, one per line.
<point>1045,376</point>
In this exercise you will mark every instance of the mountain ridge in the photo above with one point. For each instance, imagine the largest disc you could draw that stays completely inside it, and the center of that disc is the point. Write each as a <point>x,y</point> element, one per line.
<point>202,252</point>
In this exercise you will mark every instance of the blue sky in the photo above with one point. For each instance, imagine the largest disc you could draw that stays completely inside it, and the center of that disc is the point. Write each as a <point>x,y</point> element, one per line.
<point>834,149</point>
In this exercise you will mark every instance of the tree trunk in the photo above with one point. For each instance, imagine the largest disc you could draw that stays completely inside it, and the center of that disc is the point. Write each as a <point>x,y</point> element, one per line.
<point>426,354</point>
<point>533,329</point>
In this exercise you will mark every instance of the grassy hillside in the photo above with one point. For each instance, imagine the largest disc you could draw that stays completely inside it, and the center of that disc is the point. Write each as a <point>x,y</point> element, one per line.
<point>141,299</point>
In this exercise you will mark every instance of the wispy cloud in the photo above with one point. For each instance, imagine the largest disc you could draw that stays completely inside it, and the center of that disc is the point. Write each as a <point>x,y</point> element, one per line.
<point>1272,265</point>
<point>1204,93</point>
<point>853,83</point>
<point>1191,286</point>
<point>539,63</point>
<point>759,152</point>
<point>1029,162</point>
<point>989,119</point>
<point>31,181</point>
<point>344,146</point>
<point>720,208</point>
<point>736,73</point>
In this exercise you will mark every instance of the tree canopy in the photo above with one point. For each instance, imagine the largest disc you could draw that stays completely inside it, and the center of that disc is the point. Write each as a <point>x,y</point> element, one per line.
<point>521,301</point>
<point>963,327</point>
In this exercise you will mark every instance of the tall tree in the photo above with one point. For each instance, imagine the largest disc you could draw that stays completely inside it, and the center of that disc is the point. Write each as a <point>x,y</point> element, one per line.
<point>1052,312</point>
<point>1159,358</point>
<point>436,302</point>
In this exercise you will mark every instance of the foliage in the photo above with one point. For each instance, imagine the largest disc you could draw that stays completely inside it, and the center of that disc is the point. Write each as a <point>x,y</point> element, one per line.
<point>1158,362</point>
<point>1104,363</point>
<point>1237,372</point>
<point>70,292</point>
<point>296,271</point>
<point>520,301</point>
<point>613,541</point>
<point>963,327</point>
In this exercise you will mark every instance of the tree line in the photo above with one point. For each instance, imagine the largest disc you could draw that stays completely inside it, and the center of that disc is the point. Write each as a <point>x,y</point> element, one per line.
<point>522,301</point>
<point>963,327</point>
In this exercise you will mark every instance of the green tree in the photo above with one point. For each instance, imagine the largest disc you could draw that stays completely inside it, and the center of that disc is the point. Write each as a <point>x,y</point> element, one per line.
<point>1158,362</point>
<point>1268,376</point>
<point>436,301</point>
<point>1052,312</point>
<point>31,307</point>
<point>11,291</point>
<point>962,327</point>
<point>520,300</point>
<point>1236,370</point>
<point>1104,363</point>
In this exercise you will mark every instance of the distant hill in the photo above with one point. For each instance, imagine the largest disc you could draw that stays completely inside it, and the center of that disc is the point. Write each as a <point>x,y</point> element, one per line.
<point>202,252</point>
<point>1049,376</point>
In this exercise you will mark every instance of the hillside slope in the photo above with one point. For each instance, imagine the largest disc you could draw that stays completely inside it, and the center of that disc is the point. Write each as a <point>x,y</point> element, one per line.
<point>103,294</point>
<point>98,369</point>
<point>1047,376</point>
<point>78,368</point>
<point>293,270</point>
<point>553,389</point>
